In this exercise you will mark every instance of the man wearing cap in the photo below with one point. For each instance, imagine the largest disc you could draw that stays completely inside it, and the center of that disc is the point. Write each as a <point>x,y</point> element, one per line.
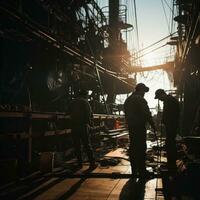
<point>80,116</point>
<point>170,119</point>
<point>137,115</point>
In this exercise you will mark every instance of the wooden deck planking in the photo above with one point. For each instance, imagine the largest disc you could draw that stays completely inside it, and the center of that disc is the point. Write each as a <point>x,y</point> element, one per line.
<point>115,169</point>
<point>58,190</point>
<point>99,188</point>
<point>102,188</point>
<point>117,153</point>
<point>95,189</point>
<point>150,189</point>
<point>115,194</point>
<point>38,188</point>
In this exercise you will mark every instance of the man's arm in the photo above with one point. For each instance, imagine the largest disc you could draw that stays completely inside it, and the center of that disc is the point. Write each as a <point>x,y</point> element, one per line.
<point>88,112</point>
<point>147,114</point>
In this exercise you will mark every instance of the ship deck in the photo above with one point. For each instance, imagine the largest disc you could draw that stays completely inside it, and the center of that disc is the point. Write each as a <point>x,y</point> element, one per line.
<point>103,183</point>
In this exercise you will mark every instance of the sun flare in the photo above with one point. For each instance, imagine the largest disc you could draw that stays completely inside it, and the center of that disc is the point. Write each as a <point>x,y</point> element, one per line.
<point>150,59</point>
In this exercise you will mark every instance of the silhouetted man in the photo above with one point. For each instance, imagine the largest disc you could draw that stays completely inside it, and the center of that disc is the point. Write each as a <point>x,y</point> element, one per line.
<point>170,119</point>
<point>137,115</point>
<point>81,114</point>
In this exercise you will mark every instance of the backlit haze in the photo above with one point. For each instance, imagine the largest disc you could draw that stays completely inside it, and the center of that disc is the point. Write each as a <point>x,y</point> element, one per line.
<point>153,19</point>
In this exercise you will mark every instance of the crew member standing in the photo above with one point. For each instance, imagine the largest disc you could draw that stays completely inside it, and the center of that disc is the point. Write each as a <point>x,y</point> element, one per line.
<point>170,119</point>
<point>137,115</point>
<point>80,115</point>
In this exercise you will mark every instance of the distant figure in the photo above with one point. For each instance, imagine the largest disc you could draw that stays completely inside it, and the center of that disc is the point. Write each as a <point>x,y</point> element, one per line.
<point>170,119</point>
<point>137,115</point>
<point>81,114</point>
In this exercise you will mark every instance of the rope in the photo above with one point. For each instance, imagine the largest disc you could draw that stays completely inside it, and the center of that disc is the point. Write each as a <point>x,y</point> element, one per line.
<point>136,23</point>
<point>150,51</point>
<point>156,42</point>
<point>168,26</point>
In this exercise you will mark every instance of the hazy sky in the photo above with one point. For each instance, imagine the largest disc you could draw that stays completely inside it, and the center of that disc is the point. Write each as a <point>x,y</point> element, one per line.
<point>152,26</point>
<point>151,21</point>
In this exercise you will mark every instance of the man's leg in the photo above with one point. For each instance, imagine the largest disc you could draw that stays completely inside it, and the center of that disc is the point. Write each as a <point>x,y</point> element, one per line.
<point>171,155</point>
<point>141,154</point>
<point>137,150</point>
<point>87,145</point>
<point>133,161</point>
<point>171,149</point>
<point>140,150</point>
<point>77,145</point>
<point>132,152</point>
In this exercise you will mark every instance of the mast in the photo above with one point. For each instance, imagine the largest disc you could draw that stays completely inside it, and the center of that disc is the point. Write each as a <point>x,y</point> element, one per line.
<point>114,23</point>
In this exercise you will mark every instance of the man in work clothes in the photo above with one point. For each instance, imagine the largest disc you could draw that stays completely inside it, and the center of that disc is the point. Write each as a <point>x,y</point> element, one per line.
<point>170,119</point>
<point>80,115</point>
<point>137,115</point>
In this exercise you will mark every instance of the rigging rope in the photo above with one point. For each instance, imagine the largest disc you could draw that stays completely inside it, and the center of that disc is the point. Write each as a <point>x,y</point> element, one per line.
<point>168,26</point>
<point>172,19</point>
<point>150,51</point>
<point>168,5</point>
<point>136,23</point>
<point>172,23</point>
<point>95,66</point>
<point>155,43</point>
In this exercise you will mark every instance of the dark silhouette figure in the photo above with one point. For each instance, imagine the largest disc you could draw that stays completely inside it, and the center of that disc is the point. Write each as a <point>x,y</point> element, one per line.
<point>81,114</point>
<point>170,119</point>
<point>137,115</point>
<point>134,189</point>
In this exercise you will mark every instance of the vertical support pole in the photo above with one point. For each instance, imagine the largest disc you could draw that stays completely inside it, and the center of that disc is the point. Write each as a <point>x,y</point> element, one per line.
<point>30,140</point>
<point>29,127</point>
<point>114,22</point>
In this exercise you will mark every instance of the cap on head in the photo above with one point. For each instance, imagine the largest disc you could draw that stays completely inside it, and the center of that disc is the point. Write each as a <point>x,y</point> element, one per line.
<point>141,87</point>
<point>159,93</point>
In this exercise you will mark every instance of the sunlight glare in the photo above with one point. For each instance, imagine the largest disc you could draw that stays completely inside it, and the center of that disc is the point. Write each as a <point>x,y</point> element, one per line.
<point>150,59</point>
